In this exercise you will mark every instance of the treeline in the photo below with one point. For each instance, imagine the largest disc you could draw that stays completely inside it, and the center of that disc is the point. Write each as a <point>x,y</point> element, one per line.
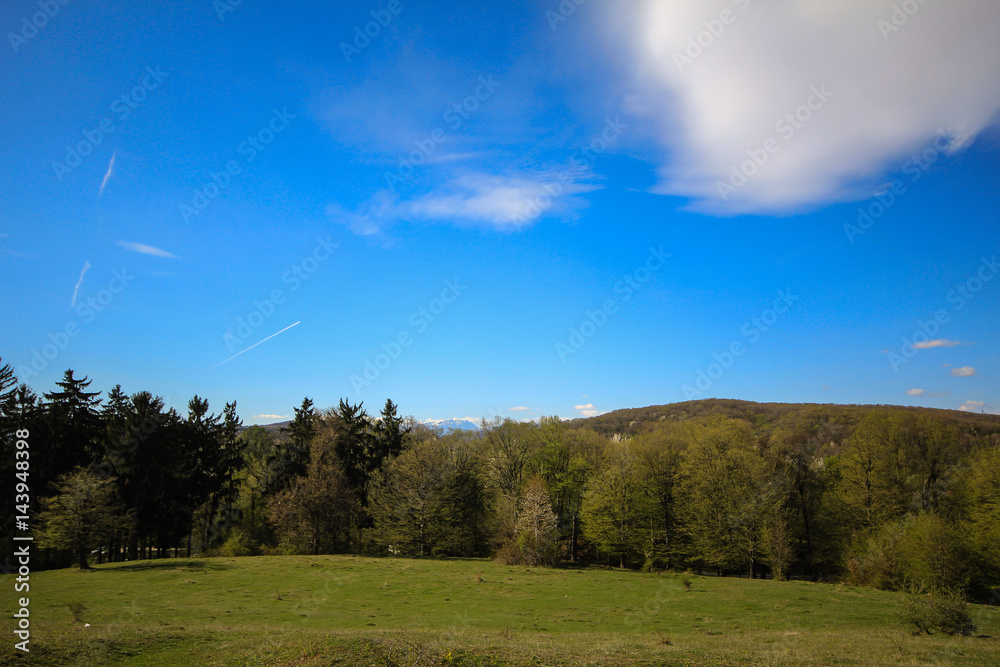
<point>886,497</point>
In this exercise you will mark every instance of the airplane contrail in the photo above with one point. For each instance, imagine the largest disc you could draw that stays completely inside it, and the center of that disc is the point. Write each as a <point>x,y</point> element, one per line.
<point>256,344</point>
<point>107,176</point>
<point>86,267</point>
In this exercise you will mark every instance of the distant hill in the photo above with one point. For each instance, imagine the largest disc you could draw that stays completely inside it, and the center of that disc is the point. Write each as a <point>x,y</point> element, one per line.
<point>273,429</point>
<point>629,421</point>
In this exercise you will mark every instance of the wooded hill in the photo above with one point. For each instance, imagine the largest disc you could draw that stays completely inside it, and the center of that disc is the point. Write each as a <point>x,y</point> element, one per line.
<point>830,422</point>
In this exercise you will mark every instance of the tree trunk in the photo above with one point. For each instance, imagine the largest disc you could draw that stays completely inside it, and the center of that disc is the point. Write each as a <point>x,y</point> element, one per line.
<point>572,543</point>
<point>81,557</point>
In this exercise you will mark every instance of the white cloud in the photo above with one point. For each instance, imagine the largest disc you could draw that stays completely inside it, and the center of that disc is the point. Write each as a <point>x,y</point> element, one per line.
<point>587,410</point>
<point>915,392</point>
<point>963,372</point>
<point>891,93</point>
<point>146,249</point>
<point>270,416</point>
<point>520,408</point>
<point>505,203</point>
<point>979,406</point>
<point>939,342</point>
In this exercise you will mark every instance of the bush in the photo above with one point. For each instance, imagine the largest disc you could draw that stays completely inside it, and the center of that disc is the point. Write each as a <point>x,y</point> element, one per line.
<point>921,550</point>
<point>945,612</point>
<point>76,607</point>
<point>239,544</point>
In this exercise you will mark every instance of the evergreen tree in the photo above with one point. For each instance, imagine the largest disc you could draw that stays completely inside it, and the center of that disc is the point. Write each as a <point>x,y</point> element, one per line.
<point>354,446</point>
<point>75,429</point>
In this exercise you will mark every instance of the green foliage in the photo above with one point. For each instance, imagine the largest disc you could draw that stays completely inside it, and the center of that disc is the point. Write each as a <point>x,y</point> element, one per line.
<point>921,550</point>
<point>315,513</point>
<point>618,508</point>
<point>429,500</point>
<point>534,540</point>
<point>943,611</point>
<point>238,544</point>
<point>980,529</point>
<point>83,514</point>
<point>728,489</point>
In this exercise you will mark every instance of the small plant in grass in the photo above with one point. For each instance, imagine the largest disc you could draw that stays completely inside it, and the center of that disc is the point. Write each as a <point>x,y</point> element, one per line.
<point>686,581</point>
<point>945,612</point>
<point>662,638</point>
<point>76,607</point>
<point>277,594</point>
<point>479,577</point>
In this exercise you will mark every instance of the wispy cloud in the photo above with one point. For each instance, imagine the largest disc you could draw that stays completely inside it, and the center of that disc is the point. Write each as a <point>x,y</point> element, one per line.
<point>107,175</point>
<point>938,342</point>
<point>76,290</point>
<point>146,250</point>
<point>729,97</point>
<point>270,417</point>
<point>256,344</point>
<point>502,202</point>
<point>586,409</point>
<point>520,408</point>
<point>915,392</point>
<point>963,372</point>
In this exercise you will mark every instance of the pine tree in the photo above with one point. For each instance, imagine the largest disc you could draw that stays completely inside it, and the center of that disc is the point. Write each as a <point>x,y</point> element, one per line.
<point>75,428</point>
<point>300,432</point>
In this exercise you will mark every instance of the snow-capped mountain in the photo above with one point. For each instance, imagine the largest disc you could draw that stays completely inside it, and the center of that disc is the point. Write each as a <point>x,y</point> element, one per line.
<point>454,424</point>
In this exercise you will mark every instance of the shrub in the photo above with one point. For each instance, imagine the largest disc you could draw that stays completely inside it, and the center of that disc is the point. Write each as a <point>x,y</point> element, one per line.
<point>945,612</point>
<point>238,544</point>
<point>76,607</point>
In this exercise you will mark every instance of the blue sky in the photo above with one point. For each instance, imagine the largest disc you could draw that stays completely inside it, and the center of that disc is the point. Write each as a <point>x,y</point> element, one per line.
<point>519,208</point>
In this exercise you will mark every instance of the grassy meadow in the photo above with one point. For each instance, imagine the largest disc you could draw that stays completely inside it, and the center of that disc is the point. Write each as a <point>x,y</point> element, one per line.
<point>349,610</point>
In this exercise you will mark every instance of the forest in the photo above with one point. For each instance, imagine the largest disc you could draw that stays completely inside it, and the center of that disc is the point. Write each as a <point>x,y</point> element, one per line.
<point>888,497</point>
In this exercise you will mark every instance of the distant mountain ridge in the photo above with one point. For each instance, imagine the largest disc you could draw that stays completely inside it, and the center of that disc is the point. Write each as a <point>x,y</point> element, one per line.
<point>446,425</point>
<point>454,424</point>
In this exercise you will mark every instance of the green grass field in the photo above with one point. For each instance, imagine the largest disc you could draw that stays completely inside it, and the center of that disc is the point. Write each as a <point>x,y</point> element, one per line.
<point>345,610</point>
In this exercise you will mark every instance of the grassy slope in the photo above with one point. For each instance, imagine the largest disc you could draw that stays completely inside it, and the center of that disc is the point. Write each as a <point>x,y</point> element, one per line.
<point>353,610</point>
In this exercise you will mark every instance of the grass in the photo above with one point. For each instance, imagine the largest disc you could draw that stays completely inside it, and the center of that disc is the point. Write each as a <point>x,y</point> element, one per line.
<point>347,610</point>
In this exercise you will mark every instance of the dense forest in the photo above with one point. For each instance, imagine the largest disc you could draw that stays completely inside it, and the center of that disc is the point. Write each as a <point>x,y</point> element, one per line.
<point>883,496</point>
